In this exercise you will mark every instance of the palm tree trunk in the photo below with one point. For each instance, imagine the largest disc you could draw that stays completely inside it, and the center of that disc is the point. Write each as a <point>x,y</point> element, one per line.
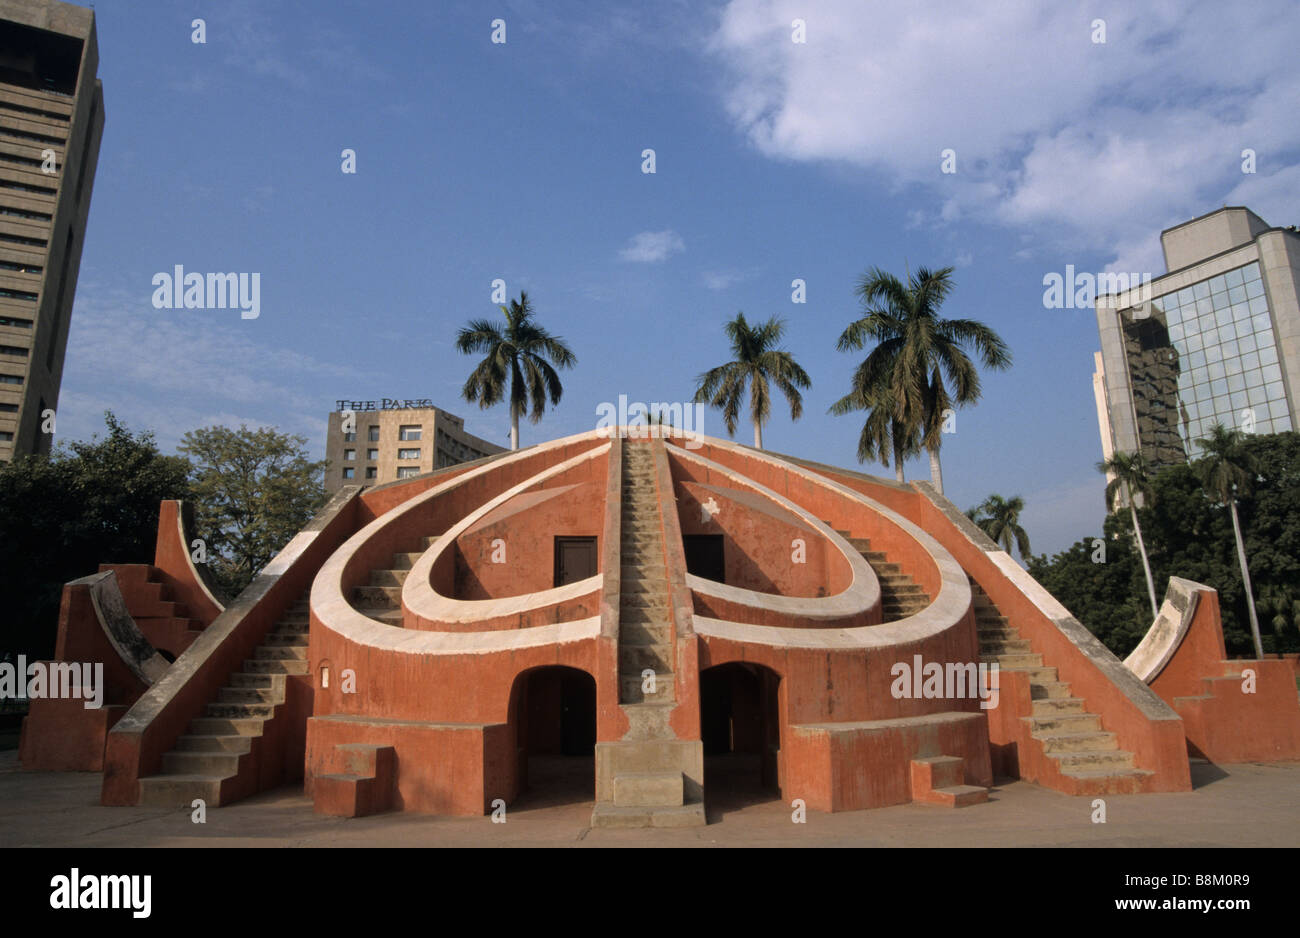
<point>514,431</point>
<point>1146,565</point>
<point>758,435</point>
<point>1245,578</point>
<point>936,472</point>
<point>898,467</point>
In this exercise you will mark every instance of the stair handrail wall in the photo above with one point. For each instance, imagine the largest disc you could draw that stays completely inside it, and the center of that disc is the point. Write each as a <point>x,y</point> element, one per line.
<point>136,744</point>
<point>192,584</point>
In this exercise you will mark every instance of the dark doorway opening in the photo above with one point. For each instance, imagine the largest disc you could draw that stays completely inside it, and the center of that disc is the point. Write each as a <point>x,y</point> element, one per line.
<point>575,559</point>
<point>555,720</point>
<point>741,730</point>
<point>705,556</point>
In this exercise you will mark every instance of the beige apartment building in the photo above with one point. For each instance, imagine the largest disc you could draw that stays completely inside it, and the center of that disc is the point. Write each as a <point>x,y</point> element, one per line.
<point>373,442</point>
<point>51,121</point>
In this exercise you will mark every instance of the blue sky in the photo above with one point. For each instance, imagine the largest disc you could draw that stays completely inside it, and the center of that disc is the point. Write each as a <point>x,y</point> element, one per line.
<point>775,160</point>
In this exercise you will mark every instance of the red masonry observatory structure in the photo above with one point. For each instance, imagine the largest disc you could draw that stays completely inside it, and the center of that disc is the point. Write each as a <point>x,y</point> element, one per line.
<point>659,609</point>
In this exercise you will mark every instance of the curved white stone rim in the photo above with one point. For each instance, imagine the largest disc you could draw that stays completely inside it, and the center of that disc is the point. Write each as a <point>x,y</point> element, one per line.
<point>335,614</point>
<point>945,611</point>
<point>419,598</point>
<point>859,597</point>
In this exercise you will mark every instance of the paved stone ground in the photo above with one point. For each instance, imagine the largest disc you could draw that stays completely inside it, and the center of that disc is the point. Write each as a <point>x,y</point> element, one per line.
<point>1254,805</point>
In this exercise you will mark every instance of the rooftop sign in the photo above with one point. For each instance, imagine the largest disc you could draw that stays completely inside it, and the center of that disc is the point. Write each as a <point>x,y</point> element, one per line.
<point>385,404</point>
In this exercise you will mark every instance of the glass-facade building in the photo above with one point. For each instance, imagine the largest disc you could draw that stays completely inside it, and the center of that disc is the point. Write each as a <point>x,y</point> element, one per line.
<point>1208,343</point>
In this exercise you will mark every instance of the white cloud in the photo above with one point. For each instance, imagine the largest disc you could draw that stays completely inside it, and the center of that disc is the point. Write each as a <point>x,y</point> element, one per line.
<point>721,279</point>
<point>177,370</point>
<point>1090,146</point>
<point>651,247</point>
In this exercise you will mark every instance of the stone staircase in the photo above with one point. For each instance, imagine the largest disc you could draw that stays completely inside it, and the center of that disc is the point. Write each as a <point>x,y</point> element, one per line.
<point>219,746</point>
<point>381,599</point>
<point>644,783</point>
<point>1068,735</point>
<point>900,595</point>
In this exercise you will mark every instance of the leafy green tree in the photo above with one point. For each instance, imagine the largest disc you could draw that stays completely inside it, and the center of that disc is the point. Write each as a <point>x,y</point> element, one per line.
<point>64,514</point>
<point>917,355</point>
<point>1188,536</point>
<point>999,518</point>
<point>254,490</point>
<point>758,364</point>
<point>1131,476</point>
<point>519,358</point>
<point>1227,471</point>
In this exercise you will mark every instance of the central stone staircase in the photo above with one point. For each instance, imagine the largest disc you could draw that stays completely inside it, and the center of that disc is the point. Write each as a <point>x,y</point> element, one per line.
<point>640,782</point>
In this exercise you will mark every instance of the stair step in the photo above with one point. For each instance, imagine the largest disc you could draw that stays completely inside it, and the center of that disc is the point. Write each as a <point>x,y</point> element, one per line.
<point>1050,706</point>
<point>611,815</point>
<point>1048,690</point>
<point>1015,661</point>
<point>1065,723</point>
<point>406,561</point>
<point>266,695</point>
<point>281,652</point>
<point>382,597</point>
<point>1041,675</point>
<point>388,577</point>
<point>241,679</point>
<point>644,633</point>
<point>213,742</point>
<point>226,726</point>
<point>213,763</point>
<point>240,710</point>
<point>275,666</point>
<point>176,791</point>
<point>1095,760</point>
<point>648,789</point>
<point>1078,742</point>
<point>962,796</point>
<point>633,659</point>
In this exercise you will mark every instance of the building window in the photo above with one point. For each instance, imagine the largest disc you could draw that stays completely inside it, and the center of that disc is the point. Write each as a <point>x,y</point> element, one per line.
<point>372,454</point>
<point>15,323</point>
<point>13,350</point>
<point>410,432</point>
<point>349,454</point>
<point>374,435</point>
<point>408,454</point>
<point>371,472</point>
<point>350,436</point>
<point>349,473</point>
<point>406,472</point>
<point>6,436</point>
<point>11,379</point>
<point>8,408</point>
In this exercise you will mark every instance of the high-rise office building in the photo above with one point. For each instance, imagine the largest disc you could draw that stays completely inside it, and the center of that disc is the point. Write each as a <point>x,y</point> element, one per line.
<point>373,442</point>
<point>1214,340</point>
<point>51,121</point>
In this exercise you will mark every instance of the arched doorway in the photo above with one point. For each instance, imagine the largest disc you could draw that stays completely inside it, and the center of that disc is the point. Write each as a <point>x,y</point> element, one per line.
<point>741,729</point>
<point>553,710</point>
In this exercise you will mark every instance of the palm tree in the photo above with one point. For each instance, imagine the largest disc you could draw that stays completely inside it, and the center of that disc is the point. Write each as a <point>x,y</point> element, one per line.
<point>516,354</point>
<point>758,361</point>
<point>885,432</point>
<point>1226,471</point>
<point>999,518</point>
<point>1132,476</point>
<point>916,351</point>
